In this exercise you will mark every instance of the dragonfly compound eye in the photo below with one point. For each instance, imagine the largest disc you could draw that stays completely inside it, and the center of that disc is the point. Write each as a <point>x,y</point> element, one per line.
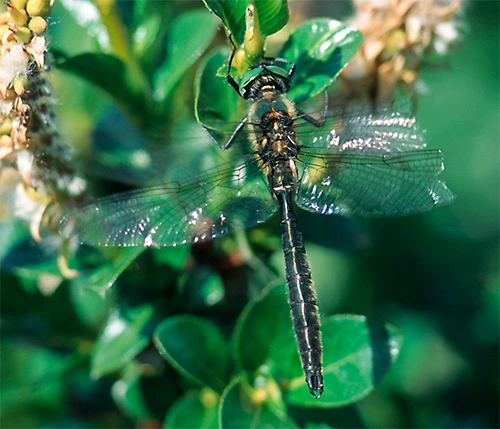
<point>248,80</point>
<point>264,78</point>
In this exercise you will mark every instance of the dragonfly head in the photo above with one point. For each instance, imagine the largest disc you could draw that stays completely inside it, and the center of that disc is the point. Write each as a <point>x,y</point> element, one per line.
<point>264,78</point>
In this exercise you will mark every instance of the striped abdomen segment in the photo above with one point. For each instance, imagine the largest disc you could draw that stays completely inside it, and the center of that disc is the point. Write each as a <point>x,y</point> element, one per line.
<point>301,295</point>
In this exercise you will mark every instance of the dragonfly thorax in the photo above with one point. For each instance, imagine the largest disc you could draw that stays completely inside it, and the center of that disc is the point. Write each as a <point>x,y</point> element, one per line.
<point>264,79</point>
<point>271,123</point>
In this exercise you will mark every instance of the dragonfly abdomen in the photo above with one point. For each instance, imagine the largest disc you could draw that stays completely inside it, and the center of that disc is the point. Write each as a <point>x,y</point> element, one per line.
<point>301,295</point>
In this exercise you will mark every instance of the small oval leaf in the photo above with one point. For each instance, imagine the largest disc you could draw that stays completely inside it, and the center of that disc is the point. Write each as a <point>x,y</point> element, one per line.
<point>262,321</point>
<point>189,37</point>
<point>196,348</point>
<point>125,334</point>
<point>215,100</point>
<point>320,49</point>
<point>127,394</point>
<point>103,278</point>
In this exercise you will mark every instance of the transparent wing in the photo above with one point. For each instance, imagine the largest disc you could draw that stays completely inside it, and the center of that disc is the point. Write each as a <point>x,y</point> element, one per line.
<point>370,165</point>
<point>354,121</point>
<point>227,198</point>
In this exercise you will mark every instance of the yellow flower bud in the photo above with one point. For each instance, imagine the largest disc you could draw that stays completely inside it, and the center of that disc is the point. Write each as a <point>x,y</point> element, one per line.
<point>20,83</point>
<point>4,29</point>
<point>19,4</point>
<point>6,126</point>
<point>38,25</point>
<point>5,142</point>
<point>23,34</point>
<point>19,17</point>
<point>39,7</point>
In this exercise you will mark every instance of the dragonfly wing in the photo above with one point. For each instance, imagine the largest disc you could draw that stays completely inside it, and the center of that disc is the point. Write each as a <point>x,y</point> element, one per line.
<point>225,199</point>
<point>358,127</point>
<point>374,165</point>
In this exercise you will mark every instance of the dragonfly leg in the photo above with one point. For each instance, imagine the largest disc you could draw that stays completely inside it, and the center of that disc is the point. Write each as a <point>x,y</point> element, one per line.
<point>230,78</point>
<point>318,123</point>
<point>235,133</point>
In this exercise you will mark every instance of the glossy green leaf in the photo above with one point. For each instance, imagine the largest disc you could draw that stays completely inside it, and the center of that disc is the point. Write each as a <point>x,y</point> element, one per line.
<point>126,332</point>
<point>244,407</point>
<point>272,15</point>
<point>127,394</point>
<point>196,348</point>
<point>194,411</point>
<point>188,39</point>
<point>103,278</point>
<point>262,321</point>
<point>215,100</point>
<point>114,77</point>
<point>87,15</point>
<point>320,49</point>
<point>174,257</point>
<point>90,307</point>
<point>202,287</point>
<point>357,353</point>
<point>148,34</point>
<point>150,24</point>
<point>142,392</point>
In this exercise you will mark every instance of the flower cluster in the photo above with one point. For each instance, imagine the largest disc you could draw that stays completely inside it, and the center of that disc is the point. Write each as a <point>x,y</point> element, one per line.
<point>400,37</point>
<point>29,141</point>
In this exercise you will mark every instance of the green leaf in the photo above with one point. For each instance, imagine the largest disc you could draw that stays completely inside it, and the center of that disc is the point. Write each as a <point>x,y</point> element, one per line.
<point>127,394</point>
<point>147,35</point>
<point>143,393</point>
<point>272,15</point>
<point>87,16</point>
<point>150,24</point>
<point>232,15</point>
<point>188,39</point>
<point>114,77</point>
<point>104,277</point>
<point>196,348</point>
<point>126,333</point>
<point>320,49</point>
<point>244,407</point>
<point>262,321</point>
<point>90,307</point>
<point>202,287</point>
<point>215,100</point>
<point>357,353</point>
<point>194,411</point>
<point>175,257</point>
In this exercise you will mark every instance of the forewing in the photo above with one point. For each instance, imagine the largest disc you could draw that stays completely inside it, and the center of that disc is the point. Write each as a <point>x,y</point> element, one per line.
<point>225,199</point>
<point>370,165</point>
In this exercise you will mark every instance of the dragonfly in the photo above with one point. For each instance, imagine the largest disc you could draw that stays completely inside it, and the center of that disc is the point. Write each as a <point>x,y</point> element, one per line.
<point>357,162</point>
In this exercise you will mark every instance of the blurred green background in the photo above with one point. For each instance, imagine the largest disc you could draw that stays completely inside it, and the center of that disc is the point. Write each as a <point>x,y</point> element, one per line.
<point>435,276</point>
